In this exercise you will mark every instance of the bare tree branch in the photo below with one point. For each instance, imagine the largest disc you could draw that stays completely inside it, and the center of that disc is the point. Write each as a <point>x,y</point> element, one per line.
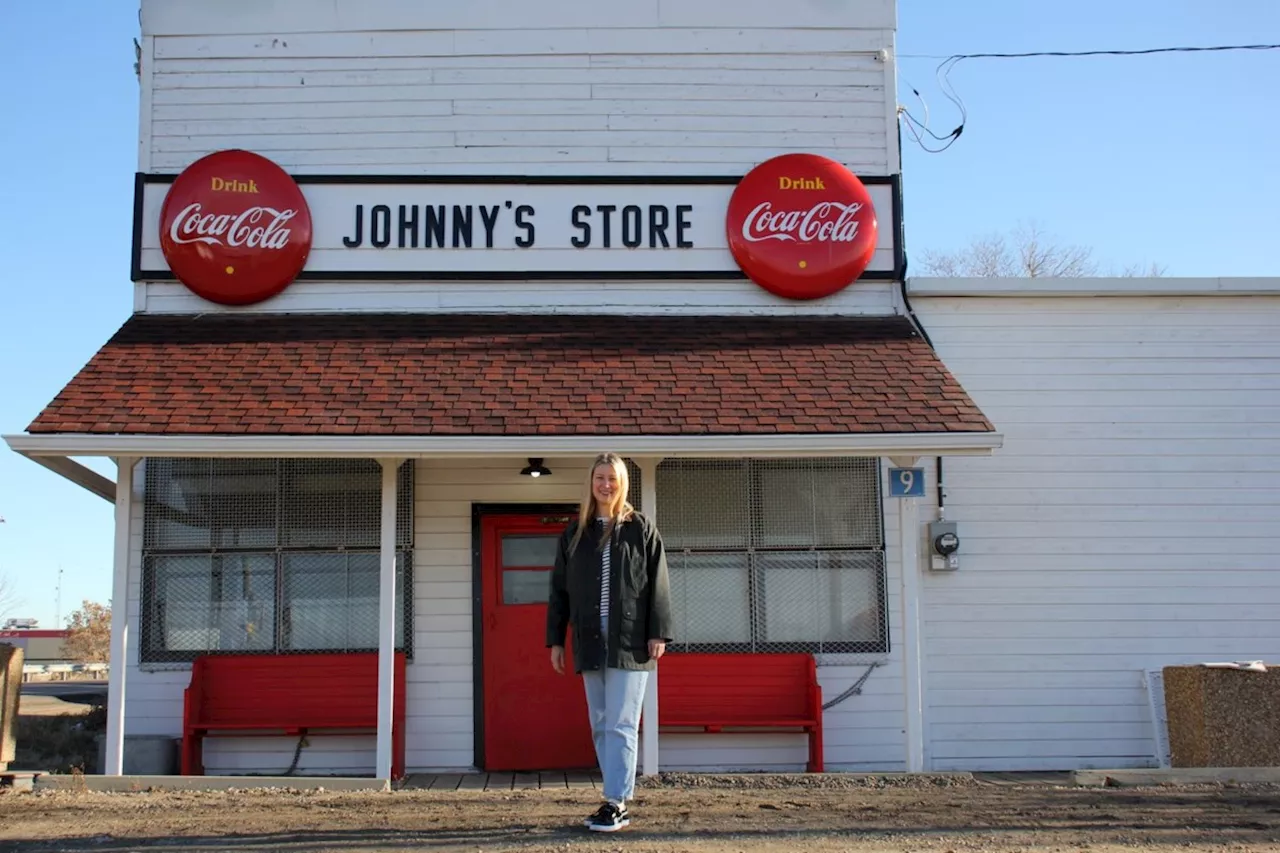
<point>1153,270</point>
<point>9,601</point>
<point>1027,252</point>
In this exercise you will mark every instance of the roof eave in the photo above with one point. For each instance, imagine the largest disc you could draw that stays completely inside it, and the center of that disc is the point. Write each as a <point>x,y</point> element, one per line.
<point>420,446</point>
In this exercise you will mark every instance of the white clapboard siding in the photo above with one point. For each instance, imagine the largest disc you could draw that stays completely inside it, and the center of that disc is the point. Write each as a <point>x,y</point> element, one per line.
<point>429,81</point>
<point>499,87</point>
<point>1125,525</point>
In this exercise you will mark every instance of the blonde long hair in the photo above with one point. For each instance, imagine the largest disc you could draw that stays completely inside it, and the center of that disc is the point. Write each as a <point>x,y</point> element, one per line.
<point>587,509</point>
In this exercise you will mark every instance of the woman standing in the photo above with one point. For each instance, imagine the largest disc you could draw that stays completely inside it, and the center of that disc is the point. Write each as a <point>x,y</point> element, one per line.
<point>610,582</point>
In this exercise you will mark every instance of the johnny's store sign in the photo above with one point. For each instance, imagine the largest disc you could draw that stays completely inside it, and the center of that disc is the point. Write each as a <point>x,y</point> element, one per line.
<point>237,229</point>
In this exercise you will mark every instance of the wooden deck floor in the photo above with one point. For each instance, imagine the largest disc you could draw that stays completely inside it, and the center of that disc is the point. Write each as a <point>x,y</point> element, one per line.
<point>499,781</point>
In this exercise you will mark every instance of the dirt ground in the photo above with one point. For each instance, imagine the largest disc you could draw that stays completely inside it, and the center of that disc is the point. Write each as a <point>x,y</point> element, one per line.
<point>708,815</point>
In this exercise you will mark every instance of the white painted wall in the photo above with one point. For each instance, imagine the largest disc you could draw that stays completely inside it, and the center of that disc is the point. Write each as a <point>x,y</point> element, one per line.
<point>652,87</point>
<point>676,86</point>
<point>1128,522</point>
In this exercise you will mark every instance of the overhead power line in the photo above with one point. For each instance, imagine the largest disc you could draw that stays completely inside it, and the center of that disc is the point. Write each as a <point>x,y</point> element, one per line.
<point>1142,52</point>
<point>943,73</point>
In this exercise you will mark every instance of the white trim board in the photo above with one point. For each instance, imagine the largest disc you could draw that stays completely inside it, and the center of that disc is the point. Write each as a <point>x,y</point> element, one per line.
<point>516,446</point>
<point>1100,287</point>
<point>283,17</point>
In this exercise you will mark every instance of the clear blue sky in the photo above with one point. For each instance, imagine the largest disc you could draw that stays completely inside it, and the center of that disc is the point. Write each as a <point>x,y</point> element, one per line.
<point>1169,159</point>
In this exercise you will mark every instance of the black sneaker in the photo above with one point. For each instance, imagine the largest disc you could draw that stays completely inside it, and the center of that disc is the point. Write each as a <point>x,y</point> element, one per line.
<point>609,818</point>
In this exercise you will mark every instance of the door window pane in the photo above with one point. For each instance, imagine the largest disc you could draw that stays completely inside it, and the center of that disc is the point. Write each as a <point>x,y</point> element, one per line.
<point>534,549</point>
<point>523,586</point>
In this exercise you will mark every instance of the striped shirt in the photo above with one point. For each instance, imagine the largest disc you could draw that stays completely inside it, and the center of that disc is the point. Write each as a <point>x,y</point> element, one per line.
<point>605,574</point>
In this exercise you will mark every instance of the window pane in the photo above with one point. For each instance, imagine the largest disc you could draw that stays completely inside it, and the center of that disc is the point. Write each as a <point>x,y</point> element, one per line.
<point>784,503</point>
<point>703,504</point>
<point>820,597</point>
<point>532,550</point>
<point>331,503</point>
<point>710,598</point>
<point>855,596</point>
<point>247,608</point>
<point>804,503</point>
<point>226,599</point>
<point>204,603</point>
<point>201,503</point>
<point>847,503</point>
<point>182,602</point>
<point>524,586</point>
<point>331,601</point>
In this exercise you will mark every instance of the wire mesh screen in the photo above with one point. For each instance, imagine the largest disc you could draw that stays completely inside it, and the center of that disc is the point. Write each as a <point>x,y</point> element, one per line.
<point>774,555</point>
<point>268,555</point>
<point>633,481</point>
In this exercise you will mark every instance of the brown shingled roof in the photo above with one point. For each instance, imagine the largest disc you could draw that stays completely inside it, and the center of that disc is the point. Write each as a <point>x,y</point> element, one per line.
<point>425,374</point>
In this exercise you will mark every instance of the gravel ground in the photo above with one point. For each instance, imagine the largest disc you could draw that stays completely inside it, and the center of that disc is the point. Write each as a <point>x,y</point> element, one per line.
<point>676,813</point>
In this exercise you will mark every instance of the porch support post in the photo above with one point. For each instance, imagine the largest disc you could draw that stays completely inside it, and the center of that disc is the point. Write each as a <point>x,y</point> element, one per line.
<point>387,618</point>
<point>119,662</point>
<point>912,658</point>
<point>649,743</point>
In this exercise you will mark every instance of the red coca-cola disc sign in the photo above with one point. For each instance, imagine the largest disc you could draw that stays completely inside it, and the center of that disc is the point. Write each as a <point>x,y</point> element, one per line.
<point>235,228</point>
<point>802,226</point>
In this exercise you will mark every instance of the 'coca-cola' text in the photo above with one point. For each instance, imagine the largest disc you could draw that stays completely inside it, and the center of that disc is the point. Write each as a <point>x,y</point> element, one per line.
<point>225,229</point>
<point>827,221</point>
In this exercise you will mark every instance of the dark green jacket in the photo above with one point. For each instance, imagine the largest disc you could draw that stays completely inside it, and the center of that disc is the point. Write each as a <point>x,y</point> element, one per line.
<point>639,597</point>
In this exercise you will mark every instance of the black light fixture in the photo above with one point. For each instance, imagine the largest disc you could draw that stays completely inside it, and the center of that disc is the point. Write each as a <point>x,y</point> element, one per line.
<point>536,468</point>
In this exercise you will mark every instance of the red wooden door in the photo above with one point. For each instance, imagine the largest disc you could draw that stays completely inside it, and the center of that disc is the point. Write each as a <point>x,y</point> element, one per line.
<point>534,719</point>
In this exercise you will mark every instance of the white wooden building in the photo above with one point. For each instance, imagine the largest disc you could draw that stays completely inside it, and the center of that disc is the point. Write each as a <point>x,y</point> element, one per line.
<point>1106,445</point>
<point>1123,526</point>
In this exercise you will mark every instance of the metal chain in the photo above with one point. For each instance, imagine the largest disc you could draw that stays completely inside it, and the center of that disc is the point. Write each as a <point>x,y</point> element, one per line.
<point>855,690</point>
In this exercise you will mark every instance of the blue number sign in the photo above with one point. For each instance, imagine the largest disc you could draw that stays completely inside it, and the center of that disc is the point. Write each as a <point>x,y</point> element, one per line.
<point>906,482</point>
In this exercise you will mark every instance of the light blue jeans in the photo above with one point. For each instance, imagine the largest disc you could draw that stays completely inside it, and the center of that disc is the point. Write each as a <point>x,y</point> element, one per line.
<point>615,698</point>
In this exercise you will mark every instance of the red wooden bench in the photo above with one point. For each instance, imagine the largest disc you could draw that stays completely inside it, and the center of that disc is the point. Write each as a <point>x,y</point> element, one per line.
<point>292,695</point>
<point>714,692</point>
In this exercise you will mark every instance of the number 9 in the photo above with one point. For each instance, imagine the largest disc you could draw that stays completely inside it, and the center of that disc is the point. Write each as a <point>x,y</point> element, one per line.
<point>906,479</point>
